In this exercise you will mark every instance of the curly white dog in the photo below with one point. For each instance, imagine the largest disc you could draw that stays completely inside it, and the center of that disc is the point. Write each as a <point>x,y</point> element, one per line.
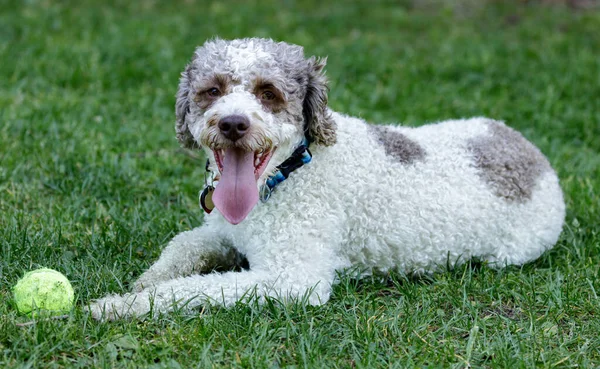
<point>302,192</point>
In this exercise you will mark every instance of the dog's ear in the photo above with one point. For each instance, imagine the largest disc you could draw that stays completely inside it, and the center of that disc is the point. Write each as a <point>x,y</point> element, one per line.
<point>182,108</point>
<point>319,126</point>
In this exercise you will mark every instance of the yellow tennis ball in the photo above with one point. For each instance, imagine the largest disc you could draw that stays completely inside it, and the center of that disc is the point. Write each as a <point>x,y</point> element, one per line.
<point>43,289</point>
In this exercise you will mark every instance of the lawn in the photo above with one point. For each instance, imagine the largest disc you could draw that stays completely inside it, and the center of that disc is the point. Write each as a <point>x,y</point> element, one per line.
<point>93,182</point>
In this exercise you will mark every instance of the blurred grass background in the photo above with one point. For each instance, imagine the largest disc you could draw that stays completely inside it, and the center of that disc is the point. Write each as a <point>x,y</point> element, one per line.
<point>93,183</point>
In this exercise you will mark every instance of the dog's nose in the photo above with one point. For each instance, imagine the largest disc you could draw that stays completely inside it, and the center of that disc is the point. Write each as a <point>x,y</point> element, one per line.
<point>234,127</point>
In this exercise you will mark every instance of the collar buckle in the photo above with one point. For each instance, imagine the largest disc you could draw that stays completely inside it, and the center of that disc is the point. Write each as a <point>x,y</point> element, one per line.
<point>265,193</point>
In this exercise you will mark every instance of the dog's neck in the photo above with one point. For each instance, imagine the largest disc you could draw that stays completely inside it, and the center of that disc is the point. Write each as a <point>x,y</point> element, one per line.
<point>299,157</point>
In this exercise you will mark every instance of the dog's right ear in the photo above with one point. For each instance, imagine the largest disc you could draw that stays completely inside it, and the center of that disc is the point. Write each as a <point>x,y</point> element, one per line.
<point>182,108</point>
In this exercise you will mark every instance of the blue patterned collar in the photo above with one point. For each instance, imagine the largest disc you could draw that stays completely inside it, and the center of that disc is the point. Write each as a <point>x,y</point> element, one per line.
<point>299,157</point>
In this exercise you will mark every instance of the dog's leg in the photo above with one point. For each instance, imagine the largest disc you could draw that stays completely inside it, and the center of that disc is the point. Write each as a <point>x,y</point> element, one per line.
<point>306,273</point>
<point>198,251</point>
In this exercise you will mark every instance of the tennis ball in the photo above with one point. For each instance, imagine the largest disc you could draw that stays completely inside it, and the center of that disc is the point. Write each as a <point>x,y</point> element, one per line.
<point>43,289</point>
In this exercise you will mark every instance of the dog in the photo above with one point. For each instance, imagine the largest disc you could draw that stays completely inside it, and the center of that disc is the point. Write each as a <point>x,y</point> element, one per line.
<point>297,193</point>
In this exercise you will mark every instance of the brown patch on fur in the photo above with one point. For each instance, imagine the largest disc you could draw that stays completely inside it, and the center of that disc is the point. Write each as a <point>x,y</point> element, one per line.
<point>220,82</point>
<point>508,162</point>
<point>397,145</point>
<point>275,105</point>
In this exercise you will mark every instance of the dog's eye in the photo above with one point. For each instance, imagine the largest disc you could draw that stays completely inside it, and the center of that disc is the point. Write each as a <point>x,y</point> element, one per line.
<point>267,95</point>
<point>213,92</point>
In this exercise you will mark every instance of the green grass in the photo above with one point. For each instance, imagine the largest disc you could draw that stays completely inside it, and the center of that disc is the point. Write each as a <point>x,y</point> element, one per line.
<point>92,182</point>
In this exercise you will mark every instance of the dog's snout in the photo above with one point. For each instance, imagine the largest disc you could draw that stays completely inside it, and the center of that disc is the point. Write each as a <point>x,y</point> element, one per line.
<point>234,127</point>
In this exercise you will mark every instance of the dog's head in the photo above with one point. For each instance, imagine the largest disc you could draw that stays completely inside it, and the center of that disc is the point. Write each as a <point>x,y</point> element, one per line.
<point>249,103</point>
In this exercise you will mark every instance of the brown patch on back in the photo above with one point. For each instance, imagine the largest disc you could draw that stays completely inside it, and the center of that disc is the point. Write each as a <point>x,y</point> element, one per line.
<point>397,145</point>
<point>508,162</point>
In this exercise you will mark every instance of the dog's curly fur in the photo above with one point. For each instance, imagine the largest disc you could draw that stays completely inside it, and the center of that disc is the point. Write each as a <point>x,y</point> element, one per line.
<point>374,198</point>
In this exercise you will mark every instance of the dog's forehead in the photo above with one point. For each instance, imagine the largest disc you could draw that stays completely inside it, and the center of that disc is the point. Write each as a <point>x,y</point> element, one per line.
<point>247,57</point>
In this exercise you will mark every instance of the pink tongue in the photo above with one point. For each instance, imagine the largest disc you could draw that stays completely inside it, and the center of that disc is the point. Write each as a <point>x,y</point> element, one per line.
<point>236,193</point>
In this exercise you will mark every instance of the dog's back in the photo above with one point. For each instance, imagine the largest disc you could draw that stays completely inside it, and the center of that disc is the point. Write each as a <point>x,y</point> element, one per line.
<point>423,198</point>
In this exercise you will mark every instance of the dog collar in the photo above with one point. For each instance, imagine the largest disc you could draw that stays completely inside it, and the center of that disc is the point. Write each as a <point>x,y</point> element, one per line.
<point>299,157</point>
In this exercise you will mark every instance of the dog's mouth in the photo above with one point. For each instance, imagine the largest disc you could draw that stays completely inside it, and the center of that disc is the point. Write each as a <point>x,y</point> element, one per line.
<point>237,193</point>
<point>261,159</point>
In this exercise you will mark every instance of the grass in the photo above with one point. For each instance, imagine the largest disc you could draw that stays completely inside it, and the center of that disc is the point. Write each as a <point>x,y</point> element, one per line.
<point>92,182</point>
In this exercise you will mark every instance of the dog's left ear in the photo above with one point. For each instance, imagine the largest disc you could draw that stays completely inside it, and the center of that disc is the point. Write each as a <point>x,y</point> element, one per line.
<point>319,126</point>
<point>182,108</point>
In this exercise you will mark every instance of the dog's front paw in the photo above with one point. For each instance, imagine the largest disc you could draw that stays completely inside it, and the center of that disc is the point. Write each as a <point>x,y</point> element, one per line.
<point>120,307</point>
<point>151,278</point>
<point>145,281</point>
